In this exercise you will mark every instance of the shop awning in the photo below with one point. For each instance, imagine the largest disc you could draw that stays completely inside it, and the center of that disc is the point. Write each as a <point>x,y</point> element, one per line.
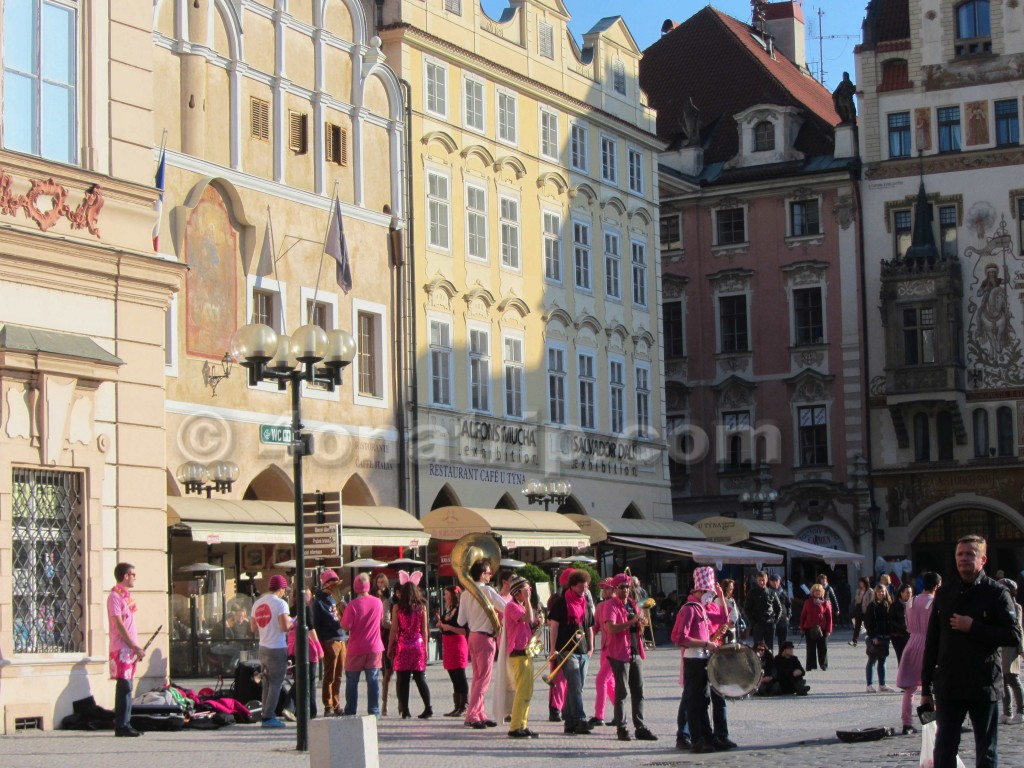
<point>600,529</point>
<point>731,530</point>
<point>702,552</point>
<point>515,528</point>
<point>797,548</point>
<point>272,522</point>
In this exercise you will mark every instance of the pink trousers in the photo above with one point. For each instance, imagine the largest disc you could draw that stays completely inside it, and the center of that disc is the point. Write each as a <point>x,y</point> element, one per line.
<point>908,704</point>
<point>556,693</point>
<point>605,687</point>
<point>481,653</point>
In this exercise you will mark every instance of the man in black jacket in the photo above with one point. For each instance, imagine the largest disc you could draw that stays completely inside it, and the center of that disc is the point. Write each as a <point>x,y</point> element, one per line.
<point>327,623</point>
<point>972,617</point>
<point>786,604</point>
<point>763,610</point>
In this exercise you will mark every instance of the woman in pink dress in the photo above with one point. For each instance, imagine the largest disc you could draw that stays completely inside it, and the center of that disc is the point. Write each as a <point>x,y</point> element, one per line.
<point>908,677</point>
<point>407,644</point>
<point>454,650</point>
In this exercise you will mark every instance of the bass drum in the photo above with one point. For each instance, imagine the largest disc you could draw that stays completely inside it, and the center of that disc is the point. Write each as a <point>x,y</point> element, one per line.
<point>734,670</point>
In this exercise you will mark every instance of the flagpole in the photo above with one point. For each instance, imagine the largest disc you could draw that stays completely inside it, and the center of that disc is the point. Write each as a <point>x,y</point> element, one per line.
<point>323,250</point>
<point>163,141</point>
<point>273,258</point>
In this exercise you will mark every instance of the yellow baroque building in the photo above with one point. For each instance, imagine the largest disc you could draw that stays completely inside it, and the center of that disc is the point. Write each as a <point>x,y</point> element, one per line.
<point>535,295</point>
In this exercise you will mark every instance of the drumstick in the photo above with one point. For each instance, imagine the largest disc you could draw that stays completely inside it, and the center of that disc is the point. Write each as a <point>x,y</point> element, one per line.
<point>152,638</point>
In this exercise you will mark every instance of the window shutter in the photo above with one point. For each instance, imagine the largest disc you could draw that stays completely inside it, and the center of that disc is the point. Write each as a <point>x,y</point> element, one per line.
<point>342,146</point>
<point>259,119</point>
<point>297,132</point>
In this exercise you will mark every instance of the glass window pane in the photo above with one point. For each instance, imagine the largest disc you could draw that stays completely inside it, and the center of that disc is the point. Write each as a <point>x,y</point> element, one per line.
<point>19,106</point>
<point>19,36</point>
<point>58,60</point>
<point>56,122</point>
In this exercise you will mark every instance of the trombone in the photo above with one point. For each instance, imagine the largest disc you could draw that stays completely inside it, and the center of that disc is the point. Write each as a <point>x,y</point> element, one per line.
<point>565,652</point>
<point>644,608</point>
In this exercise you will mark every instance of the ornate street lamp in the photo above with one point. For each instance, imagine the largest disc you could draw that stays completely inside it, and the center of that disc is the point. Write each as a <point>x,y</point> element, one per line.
<point>314,356</point>
<point>762,501</point>
<point>196,477</point>
<point>553,492</point>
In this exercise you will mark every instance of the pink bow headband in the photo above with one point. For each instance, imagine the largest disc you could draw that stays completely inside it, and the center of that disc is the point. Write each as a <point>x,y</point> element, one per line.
<point>405,578</point>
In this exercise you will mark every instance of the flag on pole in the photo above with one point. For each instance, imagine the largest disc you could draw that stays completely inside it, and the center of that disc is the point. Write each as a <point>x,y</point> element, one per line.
<point>159,184</point>
<point>337,248</point>
<point>265,266</point>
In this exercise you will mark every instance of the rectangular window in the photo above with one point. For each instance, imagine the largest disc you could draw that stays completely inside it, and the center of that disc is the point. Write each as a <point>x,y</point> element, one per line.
<point>476,222</point>
<point>437,210</point>
<point>804,218</point>
<point>507,117</point>
<point>549,134</point>
<point>437,88</point>
<point>612,262</point>
<point>671,232</point>
<point>643,402</point>
<point>638,252</point>
<point>335,144</point>
<point>973,28</point>
<point>617,396</point>
<point>264,306</point>
<point>733,319</point>
<point>581,254</point>
<point>552,247</point>
<point>899,134</point>
<point>609,172</point>
<point>619,76</point>
<point>947,231</point>
<point>579,147</point>
<point>319,313</point>
<point>636,171</point>
<point>514,377</point>
<point>1007,123</point>
<point>40,80</point>
<point>473,104</point>
<point>588,383</point>
<point>48,561</point>
<point>902,223</point>
<point>949,129</point>
<point>1020,223</point>
<point>453,6</point>
<point>297,132</point>
<point>919,335</point>
<point>546,40</point>
<point>736,451</point>
<point>509,233</point>
<point>368,327</point>
<point>259,119</point>
<point>440,362</point>
<point>813,436</point>
<point>479,370</point>
<point>556,385</point>
<point>808,325</point>
<point>729,226</point>
<point>673,329</point>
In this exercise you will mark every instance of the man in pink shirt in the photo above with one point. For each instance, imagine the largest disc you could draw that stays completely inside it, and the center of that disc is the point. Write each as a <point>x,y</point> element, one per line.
<point>624,622</point>
<point>605,677</point>
<point>125,651</point>
<point>695,623</point>
<point>362,619</point>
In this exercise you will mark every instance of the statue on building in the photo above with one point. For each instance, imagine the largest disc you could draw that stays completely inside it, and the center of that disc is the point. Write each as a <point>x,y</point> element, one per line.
<point>689,124</point>
<point>842,98</point>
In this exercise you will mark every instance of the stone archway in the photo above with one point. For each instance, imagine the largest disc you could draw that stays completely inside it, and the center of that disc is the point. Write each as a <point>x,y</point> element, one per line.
<point>357,493</point>
<point>571,506</point>
<point>506,502</point>
<point>446,497</point>
<point>632,512</point>
<point>272,484</point>
<point>936,530</point>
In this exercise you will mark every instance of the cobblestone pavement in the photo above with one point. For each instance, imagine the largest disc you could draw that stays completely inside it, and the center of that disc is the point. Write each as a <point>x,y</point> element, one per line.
<point>777,731</point>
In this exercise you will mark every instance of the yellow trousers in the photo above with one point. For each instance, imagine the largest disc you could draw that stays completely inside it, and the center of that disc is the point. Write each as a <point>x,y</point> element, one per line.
<point>521,668</point>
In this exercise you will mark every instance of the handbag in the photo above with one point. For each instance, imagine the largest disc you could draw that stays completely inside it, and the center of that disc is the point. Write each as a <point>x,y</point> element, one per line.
<point>879,649</point>
<point>815,633</point>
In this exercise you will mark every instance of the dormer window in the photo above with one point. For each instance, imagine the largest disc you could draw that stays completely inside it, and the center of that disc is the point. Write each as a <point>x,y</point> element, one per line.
<point>764,136</point>
<point>973,28</point>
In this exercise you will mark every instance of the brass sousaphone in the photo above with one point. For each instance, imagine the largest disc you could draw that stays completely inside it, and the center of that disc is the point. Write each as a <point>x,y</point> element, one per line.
<point>469,549</point>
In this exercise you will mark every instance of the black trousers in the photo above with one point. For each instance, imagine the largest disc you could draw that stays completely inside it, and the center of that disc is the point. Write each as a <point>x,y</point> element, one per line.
<point>403,690</point>
<point>949,716</point>
<point>629,676</point>
<point>817,652</point>
<point>459,682</point>
<point>123,703</point>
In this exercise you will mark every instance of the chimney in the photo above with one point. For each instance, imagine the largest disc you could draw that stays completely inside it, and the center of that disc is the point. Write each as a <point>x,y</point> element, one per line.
<point>785,22</point>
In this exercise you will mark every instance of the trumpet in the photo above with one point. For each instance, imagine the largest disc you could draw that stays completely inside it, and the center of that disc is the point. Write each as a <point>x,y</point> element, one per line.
<point>644,608</point>
<point>565,652</point>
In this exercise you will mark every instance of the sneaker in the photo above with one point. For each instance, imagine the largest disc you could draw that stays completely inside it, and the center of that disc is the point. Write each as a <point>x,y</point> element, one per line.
<point>869,689</point>
<point>273,723</point>
<point>623,734</point>
<point>683,744</point>
<point>643,734</point>
<point>522,733</point>
<point>722,743</point>
<point>908,730</point>
<point>477,725</point>
<point>1015,720</point>
<point>595,721</point>
<point>554,715</point>
<point>701,747</point>
<point>886,689</point>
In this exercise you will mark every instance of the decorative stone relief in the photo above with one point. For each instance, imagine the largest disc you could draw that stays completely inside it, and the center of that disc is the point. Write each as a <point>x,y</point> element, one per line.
<point>735,393</point>
<point>673,286</point>
<point>85,216</point>
<point>808,358</point>
<point>57,395</point>
<point>915,289</point>
<point>737,364</point>
<point>844,210</point>
<point>440,293</point>
<point>80,424</point>
<point>19,413</point>
<point>982,217</point>
<point>810,388</point>
<point>676,370</point>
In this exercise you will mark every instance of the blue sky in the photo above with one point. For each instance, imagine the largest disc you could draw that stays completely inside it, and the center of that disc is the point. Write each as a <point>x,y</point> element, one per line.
<point>644,19</point>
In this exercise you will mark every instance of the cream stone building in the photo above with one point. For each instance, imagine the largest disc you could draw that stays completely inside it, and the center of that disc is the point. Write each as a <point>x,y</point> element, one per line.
<point>271,110</point>
<point>82,305</point>
<point>535,299</point>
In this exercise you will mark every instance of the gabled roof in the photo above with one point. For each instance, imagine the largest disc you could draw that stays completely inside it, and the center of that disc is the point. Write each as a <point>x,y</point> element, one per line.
<point>885,21</point>
<point>609,23</point>
<point>723,65</point>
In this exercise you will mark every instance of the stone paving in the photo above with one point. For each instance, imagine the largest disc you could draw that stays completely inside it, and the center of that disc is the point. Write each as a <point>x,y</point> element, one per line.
<point>776,731</point>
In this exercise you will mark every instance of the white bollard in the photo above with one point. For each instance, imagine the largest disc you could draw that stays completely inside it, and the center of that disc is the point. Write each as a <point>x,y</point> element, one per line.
<point>343,742</point>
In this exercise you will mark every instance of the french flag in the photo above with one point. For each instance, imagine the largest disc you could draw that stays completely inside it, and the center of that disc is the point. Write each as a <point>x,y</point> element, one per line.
<point>159,184</point>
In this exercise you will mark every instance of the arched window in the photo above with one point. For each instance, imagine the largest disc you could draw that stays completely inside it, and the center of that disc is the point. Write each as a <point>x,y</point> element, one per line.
<point>979,420</point>
<point>973,28</point>
<point>764,136</point>
<point>944,433</point>
<point>1004,431</point>
<point>922,438</point>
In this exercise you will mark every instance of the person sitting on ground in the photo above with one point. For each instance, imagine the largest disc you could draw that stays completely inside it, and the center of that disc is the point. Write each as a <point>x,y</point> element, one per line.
<point>790,672</point>
<point>768,686</point>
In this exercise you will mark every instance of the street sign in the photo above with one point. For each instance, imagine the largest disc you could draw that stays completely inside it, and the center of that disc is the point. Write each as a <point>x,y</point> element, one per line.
<point>317,536</point>
<point>278,434</point>
<point>316,553</point>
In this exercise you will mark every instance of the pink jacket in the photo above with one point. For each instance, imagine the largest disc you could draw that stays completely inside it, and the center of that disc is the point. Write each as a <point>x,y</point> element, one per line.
<point>362,619</point>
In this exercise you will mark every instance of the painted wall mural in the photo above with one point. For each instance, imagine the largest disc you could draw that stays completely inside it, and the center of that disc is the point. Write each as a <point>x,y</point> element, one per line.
<point>211,251</point>
<point>996,310</point>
